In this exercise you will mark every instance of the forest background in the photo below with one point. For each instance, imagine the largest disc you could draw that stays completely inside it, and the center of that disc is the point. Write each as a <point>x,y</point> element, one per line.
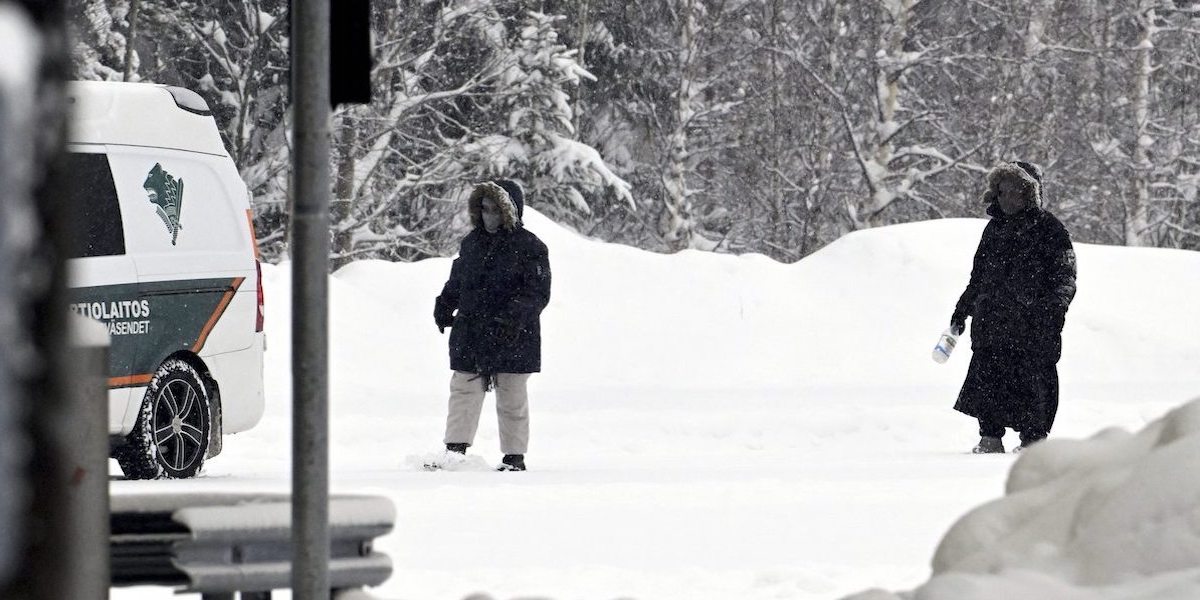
<point>770,126</point>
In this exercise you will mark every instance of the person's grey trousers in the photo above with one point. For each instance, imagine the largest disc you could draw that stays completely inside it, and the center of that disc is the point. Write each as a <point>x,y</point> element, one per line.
<point>512,410</point>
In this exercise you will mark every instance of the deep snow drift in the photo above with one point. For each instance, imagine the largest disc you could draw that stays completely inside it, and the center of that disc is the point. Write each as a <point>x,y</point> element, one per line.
<point>864,310</point>
<point>713,426</point>
<point>1113,517</point>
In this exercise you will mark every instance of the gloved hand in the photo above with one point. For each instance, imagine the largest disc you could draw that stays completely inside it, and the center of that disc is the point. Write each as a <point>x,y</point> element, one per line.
<point>958,323</point>
<point>442,325</point>
<point>443,317</point>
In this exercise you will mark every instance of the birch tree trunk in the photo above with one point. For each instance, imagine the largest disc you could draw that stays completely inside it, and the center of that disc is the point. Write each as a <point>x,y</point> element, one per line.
<point>343,196</point>
<point>1137,205</point>
<point>889,70</point>
<point>127,75</point>
<point>1035,31</point>
<point>581,38</point>
<point>780,223</point>
<point>677,226</point>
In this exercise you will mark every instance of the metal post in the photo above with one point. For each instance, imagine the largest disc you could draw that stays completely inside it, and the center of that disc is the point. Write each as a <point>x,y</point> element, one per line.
<point>310,263</point>
<point>15,482</point>
<point>35,517</point>
<point>82,436</point>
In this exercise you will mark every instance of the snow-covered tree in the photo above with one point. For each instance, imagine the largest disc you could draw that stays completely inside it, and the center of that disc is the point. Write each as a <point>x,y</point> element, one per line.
<point>563,170</point>
<point>234,53</point>
<point>732,125</point>
<point>99,30</point>
<point>473,89</point>
<point>893,131</point>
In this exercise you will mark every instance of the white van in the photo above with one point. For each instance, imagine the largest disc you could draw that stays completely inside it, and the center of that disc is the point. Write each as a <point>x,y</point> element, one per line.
<point>168,261</point>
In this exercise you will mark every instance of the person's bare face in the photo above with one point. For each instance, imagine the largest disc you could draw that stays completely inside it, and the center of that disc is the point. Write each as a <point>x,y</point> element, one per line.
<point>491,215</point>
<point>1009,196</point>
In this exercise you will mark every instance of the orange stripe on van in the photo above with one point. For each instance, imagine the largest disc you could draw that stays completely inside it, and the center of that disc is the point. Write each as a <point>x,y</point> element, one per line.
<point>129,380</point>
<point>253,234</point>
<point>216,315</point>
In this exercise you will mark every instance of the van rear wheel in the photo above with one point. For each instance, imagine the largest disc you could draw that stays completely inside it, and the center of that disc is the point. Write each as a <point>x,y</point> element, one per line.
<point>170,437</point>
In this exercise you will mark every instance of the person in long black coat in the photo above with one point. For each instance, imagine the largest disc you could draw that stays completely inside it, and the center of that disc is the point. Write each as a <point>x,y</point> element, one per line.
<point>1022,282</point>
<point>498,285</point>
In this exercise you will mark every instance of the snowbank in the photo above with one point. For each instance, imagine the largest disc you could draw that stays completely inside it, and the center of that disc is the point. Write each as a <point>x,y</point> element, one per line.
<point>863,311</point>
<point>1113,517</point>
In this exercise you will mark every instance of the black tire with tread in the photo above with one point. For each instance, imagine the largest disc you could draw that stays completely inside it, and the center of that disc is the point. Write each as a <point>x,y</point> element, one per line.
<point>171,435</point>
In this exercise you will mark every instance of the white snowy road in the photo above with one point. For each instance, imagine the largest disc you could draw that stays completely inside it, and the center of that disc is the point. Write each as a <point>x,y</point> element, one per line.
<point>784,495</point>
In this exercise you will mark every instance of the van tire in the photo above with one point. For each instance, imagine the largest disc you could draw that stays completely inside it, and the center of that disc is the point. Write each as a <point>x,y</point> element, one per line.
<point>171,435</point>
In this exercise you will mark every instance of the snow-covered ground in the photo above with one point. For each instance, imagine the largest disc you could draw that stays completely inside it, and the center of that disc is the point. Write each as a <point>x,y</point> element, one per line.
<point>712,426</point>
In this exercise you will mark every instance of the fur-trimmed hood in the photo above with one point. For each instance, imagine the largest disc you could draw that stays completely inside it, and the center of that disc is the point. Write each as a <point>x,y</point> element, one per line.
<point>508,197</point>
<point>1028,174</point>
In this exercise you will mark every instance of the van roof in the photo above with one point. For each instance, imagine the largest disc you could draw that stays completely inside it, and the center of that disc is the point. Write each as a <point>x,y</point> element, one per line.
<point>141,114</point>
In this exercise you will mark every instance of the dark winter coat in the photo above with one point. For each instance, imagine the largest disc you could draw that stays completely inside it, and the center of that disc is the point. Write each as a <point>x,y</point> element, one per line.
<point>498,285</point>
<point>1022,282</point>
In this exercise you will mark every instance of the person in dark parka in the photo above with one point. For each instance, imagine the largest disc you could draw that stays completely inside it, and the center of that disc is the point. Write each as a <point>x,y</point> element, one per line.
<point>1022,281</point>
<point>498,285</point>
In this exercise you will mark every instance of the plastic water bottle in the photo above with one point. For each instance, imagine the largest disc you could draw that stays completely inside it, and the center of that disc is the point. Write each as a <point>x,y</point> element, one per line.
<point>945,345</point>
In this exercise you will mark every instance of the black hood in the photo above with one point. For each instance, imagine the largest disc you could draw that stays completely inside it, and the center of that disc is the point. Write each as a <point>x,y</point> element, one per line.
<point>515,193</point>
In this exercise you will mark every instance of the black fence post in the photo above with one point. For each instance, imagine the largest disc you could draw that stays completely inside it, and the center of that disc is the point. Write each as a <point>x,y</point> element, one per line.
<point>310,312</point>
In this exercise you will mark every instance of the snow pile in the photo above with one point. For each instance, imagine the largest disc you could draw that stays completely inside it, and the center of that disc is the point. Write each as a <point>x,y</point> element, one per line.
<point>1113,517</point>
<point>863,311</point>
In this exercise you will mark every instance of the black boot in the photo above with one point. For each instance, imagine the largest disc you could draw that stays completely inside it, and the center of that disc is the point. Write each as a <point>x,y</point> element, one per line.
<point>459,448</point>
<point>988,445</point>
<point>1028,439</point>
<point>512,462</point>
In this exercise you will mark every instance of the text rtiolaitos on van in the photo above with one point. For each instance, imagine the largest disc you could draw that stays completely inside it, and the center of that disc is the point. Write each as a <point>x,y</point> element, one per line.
<point>118,315</point>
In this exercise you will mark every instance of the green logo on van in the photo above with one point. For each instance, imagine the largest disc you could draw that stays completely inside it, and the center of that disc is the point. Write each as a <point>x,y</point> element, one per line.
<point>166,193</point>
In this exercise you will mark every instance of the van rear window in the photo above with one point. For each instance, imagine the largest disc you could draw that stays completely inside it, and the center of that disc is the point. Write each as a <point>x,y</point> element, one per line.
<point>92,196</point>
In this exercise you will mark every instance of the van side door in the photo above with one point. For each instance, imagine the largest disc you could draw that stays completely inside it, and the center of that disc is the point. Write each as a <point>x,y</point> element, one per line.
<point>102,277</point>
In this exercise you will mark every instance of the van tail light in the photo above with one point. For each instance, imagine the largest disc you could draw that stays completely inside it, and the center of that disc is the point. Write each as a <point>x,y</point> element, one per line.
<point>258,321</point>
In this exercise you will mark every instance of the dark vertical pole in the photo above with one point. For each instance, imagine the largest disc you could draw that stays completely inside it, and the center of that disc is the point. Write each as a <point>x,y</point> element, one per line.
<point>310,264</point>
<point>82,436</point>
<point>14,480</point>
<point>33,113</point>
